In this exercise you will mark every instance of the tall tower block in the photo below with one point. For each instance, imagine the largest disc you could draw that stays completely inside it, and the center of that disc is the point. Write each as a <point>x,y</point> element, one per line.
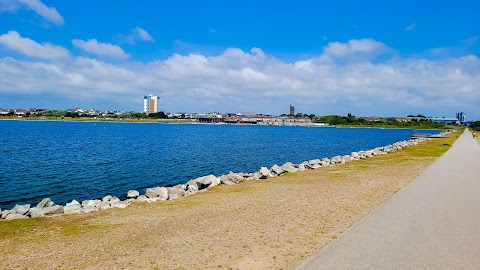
<point>150,104</point>
<point>292,110</point>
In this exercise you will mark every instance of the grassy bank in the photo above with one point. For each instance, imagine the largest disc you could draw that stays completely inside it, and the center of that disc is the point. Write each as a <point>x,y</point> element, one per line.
<point>271,224</point>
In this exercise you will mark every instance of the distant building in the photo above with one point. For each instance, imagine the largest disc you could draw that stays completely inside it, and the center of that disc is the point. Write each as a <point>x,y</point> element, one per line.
<point>462,117</point>
<point>292,110</point>
<point>443,120</point>
<point>150,104</point>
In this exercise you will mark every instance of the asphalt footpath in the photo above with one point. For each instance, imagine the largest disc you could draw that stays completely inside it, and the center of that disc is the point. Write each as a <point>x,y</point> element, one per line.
<point>432,223</point>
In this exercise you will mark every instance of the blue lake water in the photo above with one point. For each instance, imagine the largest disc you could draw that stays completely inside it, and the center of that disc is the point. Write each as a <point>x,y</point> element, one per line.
<point>78,160</point>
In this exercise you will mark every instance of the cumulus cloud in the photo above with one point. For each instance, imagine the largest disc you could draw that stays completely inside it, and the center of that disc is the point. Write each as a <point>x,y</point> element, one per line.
<point>143,35</point>
<point>48,13</point>
<point>237,80</point>
<point>137,34</point>
<point>365,46</point>
<point>28,47</point>
<point>92,46</point>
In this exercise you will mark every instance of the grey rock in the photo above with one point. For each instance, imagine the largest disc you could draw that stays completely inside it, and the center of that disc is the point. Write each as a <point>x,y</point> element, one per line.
<point>107,198</point>
<point>172,196</point>
<point>314,161</point>
<point>12,216</point>
<point>194,182</point>
<point>5,214</point>
<point>277,169</point>
<point>142,198</point>
<point>51,210</point>
<point>88,203</point>
<point>258,176</point>
<point>235,177</point>
<point>205,182</point>
<point>303,166</point>
<point>44,203</point>
<point>104,206</point>
<point>133,194</point>
<point>36,212</point>
<point>73,202</point>
<point>75,208</point>
<point>114,200</point>
<point>288,167</point>
<point>346,159</point>
<point>157,192</point>
<point>21,209</point>
<point>264,173</point>
<point>191,189</point>
<point>223,178</point>
<point>89,208</point>
<point>325,162</point>
<point>181,190</point>
<point>122,204</point>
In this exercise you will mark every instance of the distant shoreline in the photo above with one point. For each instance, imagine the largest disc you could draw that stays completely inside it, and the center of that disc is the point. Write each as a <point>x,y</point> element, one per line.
<point>184,122</point>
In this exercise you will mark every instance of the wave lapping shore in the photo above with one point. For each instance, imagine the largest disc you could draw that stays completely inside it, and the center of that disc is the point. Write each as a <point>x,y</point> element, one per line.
<point>155,194</point>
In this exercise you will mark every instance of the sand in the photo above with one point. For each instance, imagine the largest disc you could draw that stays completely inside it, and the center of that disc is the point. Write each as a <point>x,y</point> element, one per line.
<point>270,224</point>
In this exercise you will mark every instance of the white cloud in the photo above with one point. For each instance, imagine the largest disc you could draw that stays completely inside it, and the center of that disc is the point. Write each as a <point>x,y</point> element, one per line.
<point>92,46</point>
<point>137,34</point>
<point>366,46</point>
<point>410,27</point>
<point>236,81</point>
<point>28,47</point>
<point>48,13</point>
<point>142,34</point>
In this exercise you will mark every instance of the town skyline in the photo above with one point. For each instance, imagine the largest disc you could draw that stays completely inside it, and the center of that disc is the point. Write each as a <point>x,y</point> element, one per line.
<point>327,58</point>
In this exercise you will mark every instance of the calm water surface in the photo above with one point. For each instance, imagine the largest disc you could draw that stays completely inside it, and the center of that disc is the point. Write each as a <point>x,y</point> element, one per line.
<point>77,160</point>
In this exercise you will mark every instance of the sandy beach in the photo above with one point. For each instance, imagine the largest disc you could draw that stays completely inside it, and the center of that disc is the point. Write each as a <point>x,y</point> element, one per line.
<point>268,224</point>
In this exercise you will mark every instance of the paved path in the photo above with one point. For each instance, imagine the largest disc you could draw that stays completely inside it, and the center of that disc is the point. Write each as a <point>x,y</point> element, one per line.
<point>432,223</point>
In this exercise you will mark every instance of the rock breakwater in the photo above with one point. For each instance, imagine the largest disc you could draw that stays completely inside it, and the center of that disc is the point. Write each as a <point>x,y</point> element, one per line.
<point>155,194</point>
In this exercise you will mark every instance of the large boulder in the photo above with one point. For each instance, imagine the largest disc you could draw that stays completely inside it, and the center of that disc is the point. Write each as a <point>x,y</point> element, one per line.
<point>45,203</point>
<point>157,192</point>
<point>303,166</point>
<point>122,204</point>
<point>346,159</point>
<point>36,212</point>
<point>264,173</point>
<point>73,207</point>
<point>21,209</point>
<point>133,194</point>
<point>314,161</point>
<point>181,190</point>
<point>5,213</point>
<point>191,189</point>
<point>49,210</point>
<point>206,181</point>
<point>104,206</point>
<point>114,199</point>
<point>277,170</point>
<point>288,167</point>
<point>235,177</point>
<point>325,162</point>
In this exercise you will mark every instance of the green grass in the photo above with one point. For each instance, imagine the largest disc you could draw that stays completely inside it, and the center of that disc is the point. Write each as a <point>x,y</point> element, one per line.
<point>434,148</point>
<point>12,227</point>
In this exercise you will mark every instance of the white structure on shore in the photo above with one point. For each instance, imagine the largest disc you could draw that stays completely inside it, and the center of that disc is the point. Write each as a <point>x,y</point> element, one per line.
<point>150,104</point>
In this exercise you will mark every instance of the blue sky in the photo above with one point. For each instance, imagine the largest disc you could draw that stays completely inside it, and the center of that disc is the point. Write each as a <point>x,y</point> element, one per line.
<point>325,57</point>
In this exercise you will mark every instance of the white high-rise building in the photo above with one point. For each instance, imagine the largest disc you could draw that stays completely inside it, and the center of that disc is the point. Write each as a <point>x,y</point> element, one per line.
<point>150,104</point>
